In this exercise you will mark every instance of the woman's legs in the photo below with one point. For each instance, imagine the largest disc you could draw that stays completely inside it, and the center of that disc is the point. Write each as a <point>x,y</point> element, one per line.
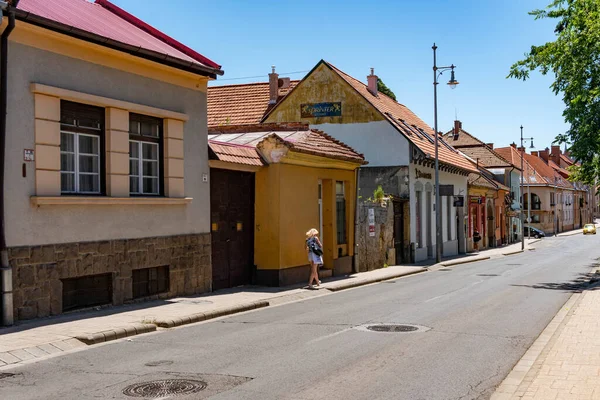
<point>312,273</point>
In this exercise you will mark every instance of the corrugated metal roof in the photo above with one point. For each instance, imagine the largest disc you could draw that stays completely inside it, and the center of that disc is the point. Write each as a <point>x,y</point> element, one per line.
<point>107,20</point>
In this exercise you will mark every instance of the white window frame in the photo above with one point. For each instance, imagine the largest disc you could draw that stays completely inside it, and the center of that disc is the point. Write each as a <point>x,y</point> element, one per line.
<point>141,176</point>
<point>76,154</point>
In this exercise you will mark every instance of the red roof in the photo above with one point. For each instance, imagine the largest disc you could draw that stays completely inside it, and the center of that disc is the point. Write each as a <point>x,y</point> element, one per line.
<point>295,136</point>
<point>104,19</point>
<point>235,153</point>
<point>241,104</point>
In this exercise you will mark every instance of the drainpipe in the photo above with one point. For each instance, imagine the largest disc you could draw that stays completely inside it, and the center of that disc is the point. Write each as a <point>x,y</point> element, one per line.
<point>5,268</point>
<point>356,228</point>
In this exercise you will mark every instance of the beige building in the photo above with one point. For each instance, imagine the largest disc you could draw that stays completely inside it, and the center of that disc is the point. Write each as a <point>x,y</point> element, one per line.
<point>107,192</point>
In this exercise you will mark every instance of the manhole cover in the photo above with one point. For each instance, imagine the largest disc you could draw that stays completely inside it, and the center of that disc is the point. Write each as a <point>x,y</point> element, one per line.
<point>165,387</point>
<point>392,328</point>
<point>5,375</point>
<point>158,363</point>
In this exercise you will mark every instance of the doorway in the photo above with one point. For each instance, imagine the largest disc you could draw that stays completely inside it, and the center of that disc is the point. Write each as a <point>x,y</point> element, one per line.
<point>399,233</point>
<point>232,226</point>
<point>428,219</point>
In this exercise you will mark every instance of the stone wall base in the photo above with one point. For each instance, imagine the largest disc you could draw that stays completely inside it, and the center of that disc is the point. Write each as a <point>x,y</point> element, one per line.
<point>289,276</point>
<point>38,271</point>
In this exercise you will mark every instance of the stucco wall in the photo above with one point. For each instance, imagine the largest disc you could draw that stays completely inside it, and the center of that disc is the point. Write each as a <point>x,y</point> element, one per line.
<point>287,206</point>
<point>379,142</point>
<point>450,245</point>
<point>27,225</point>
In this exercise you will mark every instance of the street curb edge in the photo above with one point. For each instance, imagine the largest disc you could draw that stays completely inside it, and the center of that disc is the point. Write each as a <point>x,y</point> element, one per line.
<point>459,262</point>
<point>351,285</point>
<point>199,317</point>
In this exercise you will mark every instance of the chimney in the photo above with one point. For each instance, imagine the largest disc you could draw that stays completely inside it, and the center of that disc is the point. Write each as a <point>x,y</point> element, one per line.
<point>555,150</point>
<point>273,86</point>
<point>535,154</point>
<point>457,128</point>
<point>513,145</point>
<point>372,82</point>
<point>491,145</point>
<point>544,154</point>
<point>521,149</point>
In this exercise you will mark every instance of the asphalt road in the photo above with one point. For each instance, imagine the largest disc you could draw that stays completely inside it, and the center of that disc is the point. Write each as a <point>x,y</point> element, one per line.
<point>480,318</point>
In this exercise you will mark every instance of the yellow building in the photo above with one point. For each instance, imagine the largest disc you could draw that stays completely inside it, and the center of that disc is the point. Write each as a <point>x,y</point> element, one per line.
<point>303,179</point>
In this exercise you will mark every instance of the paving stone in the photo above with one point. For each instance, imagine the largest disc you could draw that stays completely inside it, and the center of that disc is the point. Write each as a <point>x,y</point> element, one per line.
<point>36,351</point>
<point>8,358</point>
<point>49,348</point>
<point>22,354</point>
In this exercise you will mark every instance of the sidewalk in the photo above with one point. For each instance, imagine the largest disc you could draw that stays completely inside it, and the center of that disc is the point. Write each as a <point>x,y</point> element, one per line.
<point>564,362</point>
<point>32,340</point>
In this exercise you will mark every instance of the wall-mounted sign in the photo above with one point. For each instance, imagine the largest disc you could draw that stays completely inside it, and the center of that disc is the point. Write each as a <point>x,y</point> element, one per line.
<point>475,200</point>
<point>28,155</point>
<point>310,110</point>
<point>371,222</point>
<point>459,201</point>
<point>446,190</point>
<point>421,174</point>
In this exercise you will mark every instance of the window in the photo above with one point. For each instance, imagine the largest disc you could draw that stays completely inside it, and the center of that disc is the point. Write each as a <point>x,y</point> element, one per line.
<point>86,291</point>
<point>150,281</point>
<point>145,149</point>
<point>536,202</point>
<point>535,218</point>
<point>340,212</point>
<point>552,202</point>
<point>81,148</point>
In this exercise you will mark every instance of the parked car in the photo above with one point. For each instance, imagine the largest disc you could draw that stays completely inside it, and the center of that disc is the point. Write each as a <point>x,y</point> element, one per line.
<point>533,232</point>
<point>589,228</point>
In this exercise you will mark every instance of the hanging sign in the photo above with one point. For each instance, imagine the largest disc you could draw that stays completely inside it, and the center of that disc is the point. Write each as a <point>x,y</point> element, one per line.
<point>311,110</point>
<point>371,222</point>
<point>459,201</point>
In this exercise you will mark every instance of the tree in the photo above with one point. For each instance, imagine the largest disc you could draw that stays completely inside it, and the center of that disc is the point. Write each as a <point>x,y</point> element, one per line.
<point>574,59</point>
<point>381,87</point>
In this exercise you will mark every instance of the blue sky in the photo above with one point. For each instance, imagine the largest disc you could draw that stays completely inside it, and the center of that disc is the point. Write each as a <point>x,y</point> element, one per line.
<point>483,38</point>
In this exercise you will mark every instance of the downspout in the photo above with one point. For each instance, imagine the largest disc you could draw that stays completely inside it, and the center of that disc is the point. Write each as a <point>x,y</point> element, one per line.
<point>5,268</point>
<point>356,228</point>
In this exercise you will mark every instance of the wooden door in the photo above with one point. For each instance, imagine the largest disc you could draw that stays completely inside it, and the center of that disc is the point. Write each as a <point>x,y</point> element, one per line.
<point>399,232</point>
<point>232,220</point>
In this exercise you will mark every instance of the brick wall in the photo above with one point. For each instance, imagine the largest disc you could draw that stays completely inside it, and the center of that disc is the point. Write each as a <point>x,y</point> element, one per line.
<point>38,270</point>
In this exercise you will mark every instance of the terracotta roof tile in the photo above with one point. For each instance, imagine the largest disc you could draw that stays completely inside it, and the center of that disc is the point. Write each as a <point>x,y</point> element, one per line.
<point>486,156</point>
<point>303,140</point>
<point>240,104</point>
<point>109,21</point>
<point>233,153</point>
<point>463,138</point>
<point>407,122</point>
<point>530,174</point>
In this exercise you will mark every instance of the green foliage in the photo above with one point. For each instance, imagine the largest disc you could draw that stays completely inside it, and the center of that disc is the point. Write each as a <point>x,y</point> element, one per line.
<point>378,194</point>
<point>574,60</point>
<point>381,87</point>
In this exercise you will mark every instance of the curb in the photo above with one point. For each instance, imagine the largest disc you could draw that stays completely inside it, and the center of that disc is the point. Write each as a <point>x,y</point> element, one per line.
<point>513,253</point>
<point>459,262</point>
<point>116,333</point>
<point>510,385</point>
<point>193,318</point>
<point>354,284</point>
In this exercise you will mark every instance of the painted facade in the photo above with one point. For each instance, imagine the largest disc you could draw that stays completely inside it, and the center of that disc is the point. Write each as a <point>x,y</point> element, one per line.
<point>380,128</point>
<point>59,237</point>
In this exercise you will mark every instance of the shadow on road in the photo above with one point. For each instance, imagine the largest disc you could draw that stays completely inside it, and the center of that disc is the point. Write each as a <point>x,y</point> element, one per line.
<point>583,281</point>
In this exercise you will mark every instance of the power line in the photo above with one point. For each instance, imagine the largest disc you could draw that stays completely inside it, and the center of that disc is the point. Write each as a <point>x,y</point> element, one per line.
<point>262,76</point>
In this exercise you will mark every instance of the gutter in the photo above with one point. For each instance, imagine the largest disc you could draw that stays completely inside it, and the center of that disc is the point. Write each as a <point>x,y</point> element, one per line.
<point>6,280</point>
<point>150,55</point>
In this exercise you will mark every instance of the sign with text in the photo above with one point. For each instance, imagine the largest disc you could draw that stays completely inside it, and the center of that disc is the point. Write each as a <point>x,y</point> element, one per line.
<point>446,190</point>
<point>311,110</point>
<point>421,174</point>
<point>371,222</point>
<point>28,155</point>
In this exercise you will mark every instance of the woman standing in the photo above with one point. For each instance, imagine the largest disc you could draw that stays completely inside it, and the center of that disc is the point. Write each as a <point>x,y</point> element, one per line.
<point>315,256</point>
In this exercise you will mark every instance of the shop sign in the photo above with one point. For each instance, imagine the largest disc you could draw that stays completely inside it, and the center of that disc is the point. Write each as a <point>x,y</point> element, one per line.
<point>311,110</point>
<point>421,174</point>
<point>446,190</point>
<point>371,222</point>
<point>475,200</point>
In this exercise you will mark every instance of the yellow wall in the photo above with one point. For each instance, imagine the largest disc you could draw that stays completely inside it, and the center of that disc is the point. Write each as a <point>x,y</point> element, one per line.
<point>287,207</point>
<point>324,85</point>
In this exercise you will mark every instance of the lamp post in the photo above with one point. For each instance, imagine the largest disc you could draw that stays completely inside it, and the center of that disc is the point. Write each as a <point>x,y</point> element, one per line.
<point>522,151</point>
<point>437,72</point>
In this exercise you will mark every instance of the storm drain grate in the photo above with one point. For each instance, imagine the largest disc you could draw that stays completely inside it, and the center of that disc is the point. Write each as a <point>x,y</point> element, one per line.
<point>392,328</point>
<point>445,269</point>
<point>158,363</point>
<point>488,275</point>
<point>5,375</point>
<point>165,387</point>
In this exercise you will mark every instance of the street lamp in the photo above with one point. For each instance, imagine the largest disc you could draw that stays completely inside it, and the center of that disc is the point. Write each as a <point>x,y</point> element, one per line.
<point>438,209</point>
<point>522,151</point>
